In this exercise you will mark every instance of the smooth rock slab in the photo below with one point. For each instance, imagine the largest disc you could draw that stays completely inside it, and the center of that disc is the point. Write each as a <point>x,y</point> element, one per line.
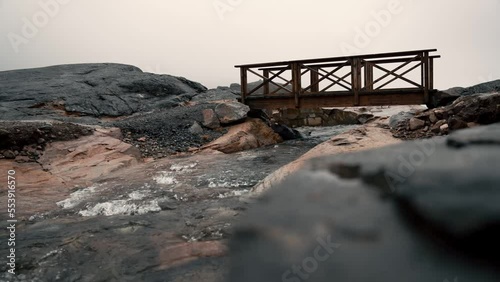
<point>416,211</point>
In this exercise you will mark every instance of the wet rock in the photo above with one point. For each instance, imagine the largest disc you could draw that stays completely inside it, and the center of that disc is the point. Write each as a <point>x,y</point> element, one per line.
<point>210,119</point>
<point>322,226</point>
<point>416,123</point>
<point>231,112</point>
<point>95,90</point>
<point>285,132</point>
<point>87,158</point>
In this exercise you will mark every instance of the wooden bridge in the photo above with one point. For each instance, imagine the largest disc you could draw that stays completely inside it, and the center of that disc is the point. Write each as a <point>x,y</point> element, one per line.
<point>400,78</point>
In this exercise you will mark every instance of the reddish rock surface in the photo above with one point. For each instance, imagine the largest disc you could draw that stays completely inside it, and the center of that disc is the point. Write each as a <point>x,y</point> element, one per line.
<point>254,133</point>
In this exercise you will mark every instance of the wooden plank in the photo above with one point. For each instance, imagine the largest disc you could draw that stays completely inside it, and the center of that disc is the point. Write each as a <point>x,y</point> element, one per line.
<point>426,79</point>
<point>431,73</point>
<point>311,101</point>
<point>266,81</point>
<point>331,65</point>
<point>333,59</point>
<point>244,84</point>
<point>355,79</point>
<point>314,80</point>
<point>296,85</point>
<point>368,76</point>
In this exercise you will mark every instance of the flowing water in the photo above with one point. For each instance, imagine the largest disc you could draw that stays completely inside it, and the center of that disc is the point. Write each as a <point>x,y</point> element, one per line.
<point>163,221</point>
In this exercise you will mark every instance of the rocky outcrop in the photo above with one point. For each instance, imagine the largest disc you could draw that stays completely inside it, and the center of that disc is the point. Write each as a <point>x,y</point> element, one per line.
<point>96,90</point>
<point>465,112</point>
<point>253,133</point>
<point>446,97</point>
<point>435,200</point>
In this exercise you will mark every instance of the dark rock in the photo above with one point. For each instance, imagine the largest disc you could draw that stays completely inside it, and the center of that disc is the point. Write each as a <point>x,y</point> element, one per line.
<point>470,109</point>
<point>286,132</point>
<point>342,117</point>
<point>231,112</point>
<point>416,123</point>
<point>399,118</point>
<point>8,154</point>
<point>364,118</point>
<point>456,124</point>
<point>94,90</point>
<point>437,203</point>
<point>444,98</point>
<point>196,128</point>
<point>218,94</point>
<point>210,119</point>
<point>236,88</point>
<point>167,131</point>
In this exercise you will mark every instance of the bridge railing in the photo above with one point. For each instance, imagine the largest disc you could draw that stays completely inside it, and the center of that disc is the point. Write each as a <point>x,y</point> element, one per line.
<point>352,75</point>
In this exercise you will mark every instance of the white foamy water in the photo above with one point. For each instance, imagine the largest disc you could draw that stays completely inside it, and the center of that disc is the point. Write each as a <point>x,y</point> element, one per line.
<point>183,167</point>
<point>165,178</point>
<point>121,207</point>
<point>77,198</point>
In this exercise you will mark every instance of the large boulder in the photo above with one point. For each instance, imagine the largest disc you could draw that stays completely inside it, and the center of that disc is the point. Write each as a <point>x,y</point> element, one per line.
<point>231,112</point>
<point>428,208</point>
<point>251,134</point>
<point>96,90</point>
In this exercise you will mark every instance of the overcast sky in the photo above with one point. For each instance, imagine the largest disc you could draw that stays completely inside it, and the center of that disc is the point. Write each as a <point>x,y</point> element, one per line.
<point>203,39</point>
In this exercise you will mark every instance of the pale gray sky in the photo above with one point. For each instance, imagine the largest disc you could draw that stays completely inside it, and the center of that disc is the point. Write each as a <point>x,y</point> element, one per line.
<point>203,39</point>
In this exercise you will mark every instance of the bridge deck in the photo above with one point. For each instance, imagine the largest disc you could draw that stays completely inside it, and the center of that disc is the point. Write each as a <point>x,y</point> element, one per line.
<point>341,81</point>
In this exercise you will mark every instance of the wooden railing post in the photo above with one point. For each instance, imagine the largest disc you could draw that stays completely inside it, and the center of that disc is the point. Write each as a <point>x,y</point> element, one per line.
<point>296,83</point>
<point>431,73</point>
<point>266,82</point>
<point>356,78</point>
<point>369,76</point>
<point>314,79</point>
<point>244,84</point>
<point>426,77</point>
